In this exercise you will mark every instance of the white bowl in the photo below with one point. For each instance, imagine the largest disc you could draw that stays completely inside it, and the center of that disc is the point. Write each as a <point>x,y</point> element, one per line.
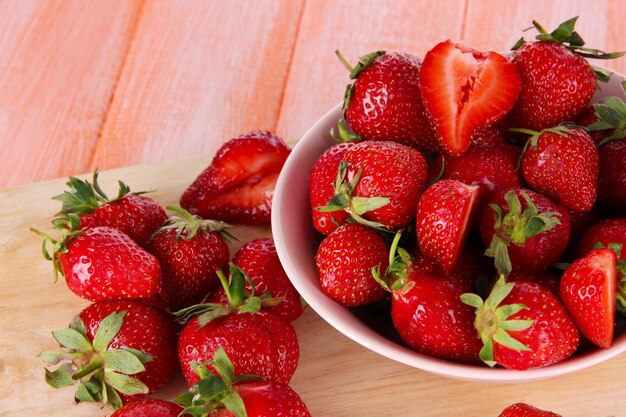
<point>297,242</point>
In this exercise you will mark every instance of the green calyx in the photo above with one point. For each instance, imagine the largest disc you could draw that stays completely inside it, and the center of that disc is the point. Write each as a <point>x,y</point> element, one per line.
<point>214,392</point>
<point>396,274</point>
<point>515,228</point>
<point>568,37</point>
<point>364,62</point>
<point>187,225</point>
<point>611,113</point>
<point>239,300</point>
<point>68,231</point>
<point>353,205</point>
<point>100,372</point>
<point>492,320</point>
<point>343,134</point>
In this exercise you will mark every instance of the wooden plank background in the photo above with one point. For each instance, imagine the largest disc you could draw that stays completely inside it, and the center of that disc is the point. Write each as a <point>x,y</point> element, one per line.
<point>114,83</point>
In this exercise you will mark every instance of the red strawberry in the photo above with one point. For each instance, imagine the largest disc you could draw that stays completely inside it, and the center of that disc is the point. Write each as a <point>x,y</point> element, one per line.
<point>524,231</point>
<point>588,291</point>
<point>238,185</point>
<point>102,263</point>
<point>189,250</point>
<point>464,90</point>
<point>258,342</point>
<point>547,279</point>
<point>259,260</point>
<point>134,214</point>
<point>150,407</point>
<point>321,189</point>
<point>345,259</point>
<point>442,222</point>
<point>125,346</point>
<point>604,232</point>
<point>523,326</point>
<point>230,396</point>
<point>562,163</point>
<point>378,183</point>
<point>492,168</point>
<point>525,410</point>
<point>557,82</point>
<point>384,102</point>
<point>489,136</point>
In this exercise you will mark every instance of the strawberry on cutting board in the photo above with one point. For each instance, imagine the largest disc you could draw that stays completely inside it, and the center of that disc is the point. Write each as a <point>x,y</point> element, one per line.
<point>238,185</point>
<point>465,90</point>
<point>150,407</point>
<point>134,214</point>
<point>526,410</point>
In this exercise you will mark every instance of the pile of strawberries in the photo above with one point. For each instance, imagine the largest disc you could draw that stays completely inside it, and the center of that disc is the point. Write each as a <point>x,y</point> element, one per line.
<point>166,295</point>
<point>479,200</point>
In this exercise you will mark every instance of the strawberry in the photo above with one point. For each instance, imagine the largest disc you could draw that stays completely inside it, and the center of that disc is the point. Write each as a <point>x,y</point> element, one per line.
<point>464,90</point>
<point>443,216</point>
<point>229,395</point>
<point>525,410</point>
<point>384,102</point>
<point>150,407</point>
<point>378,184</point>
<point>344,261</point>
<point>523,326</point>
<point>189,250</point>
<point>259,260</point>
<point>427,311</point>
<point>604,232</point>
<point>547,279</point>
<point>258,342</point>
<point>102,263</point>
<point>489,136</point>
<point>588,290</point>
<point>116,351</point>
<point>557,81</point>
<point>563,164</point>
<point>524,231</point>
<point>134,214</point>
<point>238,185</point>
<point>321,189</point>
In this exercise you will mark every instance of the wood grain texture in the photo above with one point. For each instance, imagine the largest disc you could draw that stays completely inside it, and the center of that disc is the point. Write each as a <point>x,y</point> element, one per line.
<point>59,61</point>
<point>317,79</point>
<point>197,74</point>
<point>336,377</point>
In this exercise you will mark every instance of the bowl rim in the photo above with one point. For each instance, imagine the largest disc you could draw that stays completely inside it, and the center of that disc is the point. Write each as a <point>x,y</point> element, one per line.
<point>330,311</point>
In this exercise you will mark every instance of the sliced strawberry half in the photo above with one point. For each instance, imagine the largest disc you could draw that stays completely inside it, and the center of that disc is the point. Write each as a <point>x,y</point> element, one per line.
<point>239,184</point>
<point>463,90</point>
<point>442,222</point>
<point>588,290</point>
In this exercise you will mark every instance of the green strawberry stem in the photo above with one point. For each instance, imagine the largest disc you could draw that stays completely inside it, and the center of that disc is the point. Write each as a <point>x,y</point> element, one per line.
<point>188,225</point>
<point>396,273</point>
<point>343,134</point>
<point>344,61</point>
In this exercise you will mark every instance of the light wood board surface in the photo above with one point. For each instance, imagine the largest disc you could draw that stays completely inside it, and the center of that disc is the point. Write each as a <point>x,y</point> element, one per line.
<point>336,377</point>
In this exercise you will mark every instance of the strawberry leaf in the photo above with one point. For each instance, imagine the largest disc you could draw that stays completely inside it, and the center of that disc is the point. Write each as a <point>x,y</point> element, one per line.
<point>234,403</point>
<point>109,328</point>
<point>61,377</point>
<point>90,390</point>
<point>125,384</point>
<point>71,339</point>
<point>122,361</point>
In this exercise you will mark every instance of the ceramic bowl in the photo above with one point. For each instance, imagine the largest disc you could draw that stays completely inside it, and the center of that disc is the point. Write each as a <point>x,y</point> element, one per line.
<point>297,242</point>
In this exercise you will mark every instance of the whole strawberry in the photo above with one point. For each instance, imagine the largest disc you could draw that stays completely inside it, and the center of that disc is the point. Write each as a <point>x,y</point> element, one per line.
<point>384,102</point>
<point>134,214</point>
<point>523,326</point>
<point>229,395</point>
<point>557,81</point>
<point>344,261</point>
<point>524,231</point>
<point>238,185</point>
<point>257,341</point>
<point>189,250</point>
<point>378,184</point>
<point>103,263</point>
<point>588,289</point>
<point>563,164</point>
<point>444,214</point>
<point>464,91</point>
<point>525,410</point>
<point>321,188</point>
<point>116,351</point>
<point>150,407</point>
<point>605,232</point>
<point>259,260</point>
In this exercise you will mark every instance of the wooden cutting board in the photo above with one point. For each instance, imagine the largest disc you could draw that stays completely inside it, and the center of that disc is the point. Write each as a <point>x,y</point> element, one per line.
<point>335,377</point>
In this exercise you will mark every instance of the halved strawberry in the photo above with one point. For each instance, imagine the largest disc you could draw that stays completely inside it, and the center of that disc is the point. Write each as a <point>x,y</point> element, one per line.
<point>464,90</point>
<point>442,222</point>
<point>588,291</point>
<point>238,185</point>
